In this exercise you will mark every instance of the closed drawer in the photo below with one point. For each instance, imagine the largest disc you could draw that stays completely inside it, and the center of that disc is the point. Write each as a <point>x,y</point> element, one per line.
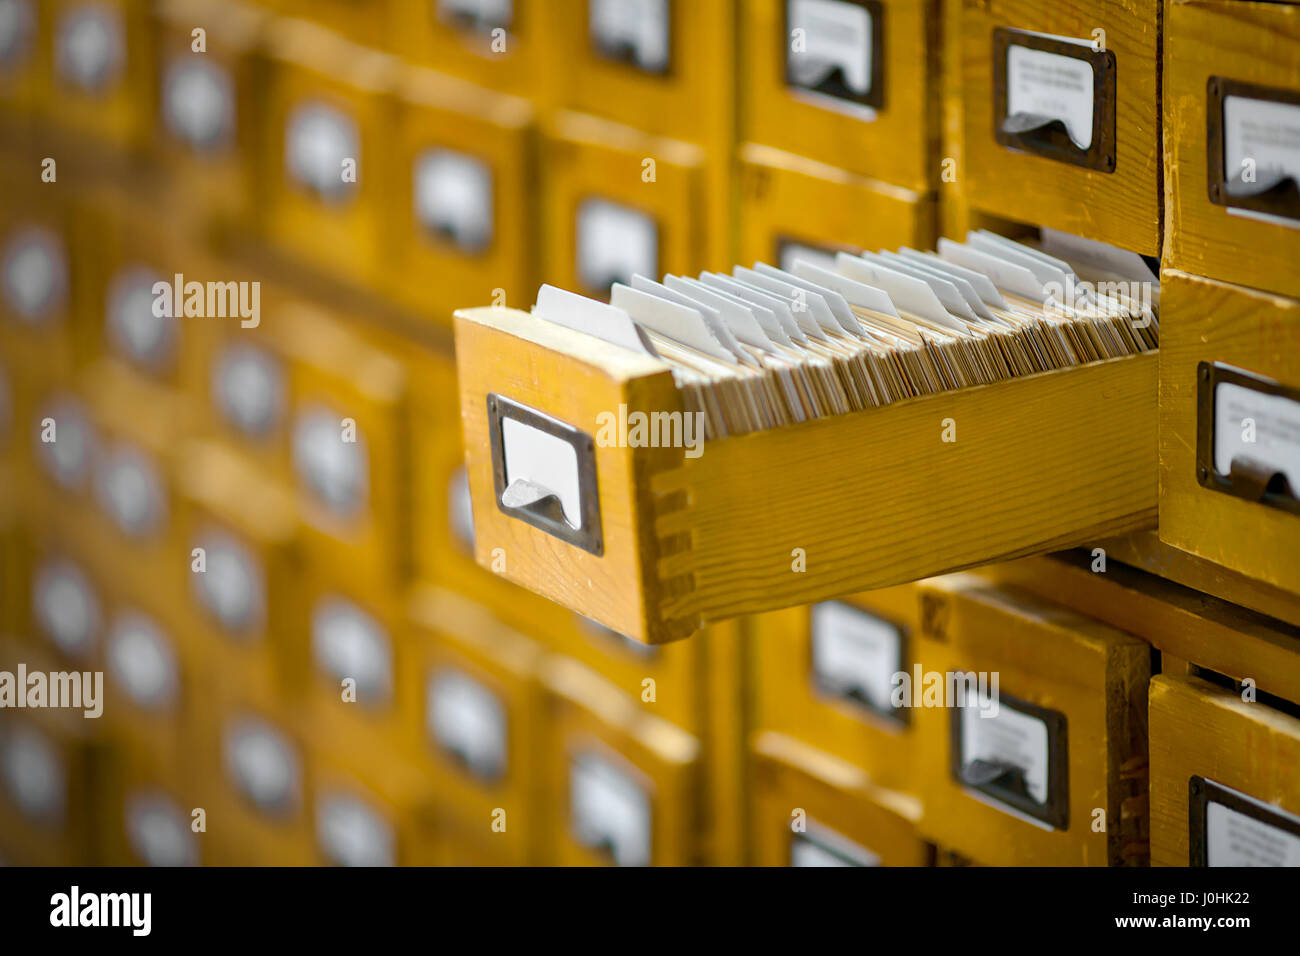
<point>36,289</point>
<point>358,649</point>
<point>257,770</point>
<point>1232,107</point>
<point>244,570</point>
<point>370,811</point>
<point>811,809</point>
<point>1179,622</point>
<point>328,140</point>
<point>795,206</point>
<point>498,44</point>
<point>1086,162</point>
<point>618,202</point>
<point>25,64</point>
<point>463,216</point>
<point>483,726</point>
<point>1031,729</point>
<point>1227,793</point>
<point>207,106</point>
<point>1229,409</point>
<point>825,676</point>
<point>848,83</point>
<point>662,66</point>
<point>623,782</point>
<point>735,530</point>
<point>101,54</point>
<point>349,427</point>
<point>51,772</point>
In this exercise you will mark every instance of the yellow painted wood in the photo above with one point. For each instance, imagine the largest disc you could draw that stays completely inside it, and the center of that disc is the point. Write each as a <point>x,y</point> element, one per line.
<point>120,114</point>
<point>59,839</point>
<point>1248,42</point>
<point>1207,320</point>
<point>451,633</point>
<point>369,23</point>
<point>389,786</point>
<point>589,158</point>
<point>1179,622</point>
<point>592,715</point>
<point>787,700</point>
<point>899,146</point>
<point>1041,463</point>
<point>790,198</point>
<point>348,237</point>
<point>222,499</point>
<point>693,102</point>
<point>44,349</point>
<point>222,182</point>
<point>422,36</point>
<point>441,112</point>
<point>1120,208</point>
<point>1198,729</point>
<point>1145,550</point>
<point>361,386</point>
<point>1054,658</point>
<point>790,776</point>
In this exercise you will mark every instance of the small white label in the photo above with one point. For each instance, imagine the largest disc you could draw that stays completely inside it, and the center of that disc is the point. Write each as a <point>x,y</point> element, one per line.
<point>66,459</point>
<point>1054,85</point>
<point>632,30</point>
<point>792,252</point>
<point>199,103</point>
<point>484,16</point>
<point>129,489</point>
<point>353,834</point>
<point>263,765</point>
<point>453,198</point>
<point>609,810</point>
<point>231,588</point>
<point>837,36</point>
<point>855,654</point>
<point>248,389</point>
<point>1233,838</point>
<point>33,773</point>
<point>135,329</point>
<point>66,607</point>
<point>35,274</point>
<point>17,27</point>
<point>141,661</point>
<point>1010,737</point>
<point>614,243</point>
<point>461,510</point>
<point>346,642</point>
<point>318,140</point>
<point>159,831</point>
<point>822,846</point>
<point>90,46</point>
<point>335,471</point>
<point>1254,425</point>
<point>546,460</point>
<point>468,720</point>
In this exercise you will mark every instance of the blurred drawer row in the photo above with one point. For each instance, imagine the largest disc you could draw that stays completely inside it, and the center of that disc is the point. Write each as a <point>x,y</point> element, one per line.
<point>1062,109</point>
<point>1046,760</point>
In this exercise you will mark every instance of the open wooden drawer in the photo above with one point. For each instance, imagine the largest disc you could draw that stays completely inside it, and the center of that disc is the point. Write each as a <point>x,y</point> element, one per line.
<point>655,543</point>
